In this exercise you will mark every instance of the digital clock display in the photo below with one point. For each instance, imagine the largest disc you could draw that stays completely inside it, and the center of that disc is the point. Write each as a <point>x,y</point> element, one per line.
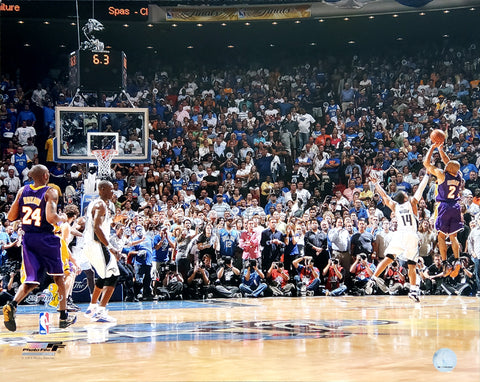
<point>101,59</point>
<point>98,71</point>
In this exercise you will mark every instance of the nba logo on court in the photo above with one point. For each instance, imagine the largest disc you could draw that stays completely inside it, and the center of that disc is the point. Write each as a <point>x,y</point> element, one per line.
<point>44,323</point>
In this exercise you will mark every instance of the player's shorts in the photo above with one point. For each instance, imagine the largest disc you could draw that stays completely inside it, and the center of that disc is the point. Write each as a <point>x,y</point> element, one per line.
<point>449,218</point>
<point>80,258</point>
<point>41,252</point>
<point>104,263</point>
<point>65,257</point>
<point>404,245</point>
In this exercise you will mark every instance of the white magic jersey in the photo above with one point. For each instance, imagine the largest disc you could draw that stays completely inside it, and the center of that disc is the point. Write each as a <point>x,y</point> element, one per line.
<point>105,227</point>
<point>406,219</point>
<point>98,255</point>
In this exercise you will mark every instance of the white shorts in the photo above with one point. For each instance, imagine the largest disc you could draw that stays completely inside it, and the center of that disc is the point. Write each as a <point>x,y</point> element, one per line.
<point>403,245</point>
<point>104,263</point>
<point>80,258</point>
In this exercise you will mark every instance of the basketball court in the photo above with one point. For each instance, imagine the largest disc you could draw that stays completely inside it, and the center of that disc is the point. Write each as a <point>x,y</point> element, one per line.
<point>387,338</point>
<point>372,338</point>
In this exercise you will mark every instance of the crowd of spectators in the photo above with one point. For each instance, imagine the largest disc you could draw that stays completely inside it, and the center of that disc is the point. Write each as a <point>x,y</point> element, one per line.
<point>259,179</point>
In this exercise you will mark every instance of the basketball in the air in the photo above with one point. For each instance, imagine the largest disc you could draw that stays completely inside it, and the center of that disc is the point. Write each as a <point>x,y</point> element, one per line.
<point>437,136</point>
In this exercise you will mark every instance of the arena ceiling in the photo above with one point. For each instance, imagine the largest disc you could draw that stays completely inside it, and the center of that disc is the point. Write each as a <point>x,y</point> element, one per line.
<point>42,33</point>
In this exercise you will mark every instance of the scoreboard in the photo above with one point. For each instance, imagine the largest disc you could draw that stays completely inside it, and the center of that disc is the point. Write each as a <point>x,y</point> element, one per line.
<point>98,71</point>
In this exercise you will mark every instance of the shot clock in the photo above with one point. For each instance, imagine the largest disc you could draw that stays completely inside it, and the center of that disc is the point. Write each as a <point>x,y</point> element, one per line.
<point>98,71</point>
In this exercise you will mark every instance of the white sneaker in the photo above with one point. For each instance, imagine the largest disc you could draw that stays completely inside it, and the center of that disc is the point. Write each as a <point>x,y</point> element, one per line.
<point>91,310</point>
<point>369,286</point>
<point>414,296</point>
<point>103,317</point>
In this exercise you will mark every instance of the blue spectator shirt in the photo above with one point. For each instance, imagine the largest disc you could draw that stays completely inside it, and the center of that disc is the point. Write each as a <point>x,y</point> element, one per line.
<point>49,116</point>
<point>264,166</point>
<point>26,116</point>
<point>4,239</point>
<point>254,281</point>
<point>145,245</point>
<point>177,184</point>
<point>161,254</point>
<point>361,213</point>
<point>228,241</point>
<point>20,162</point>
<point>466,170</point>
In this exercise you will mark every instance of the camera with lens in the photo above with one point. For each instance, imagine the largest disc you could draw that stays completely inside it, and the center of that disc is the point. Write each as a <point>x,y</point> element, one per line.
<point>394,264</point>
<point>253,264</point>
<point>335,261</point>
<point>363,257</point>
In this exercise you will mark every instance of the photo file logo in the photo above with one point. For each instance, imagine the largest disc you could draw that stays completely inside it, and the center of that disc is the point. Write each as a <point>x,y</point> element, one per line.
<point>42,349</point>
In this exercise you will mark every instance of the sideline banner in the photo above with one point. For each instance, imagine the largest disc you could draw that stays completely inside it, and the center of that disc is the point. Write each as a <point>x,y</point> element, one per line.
<point>81,292</point>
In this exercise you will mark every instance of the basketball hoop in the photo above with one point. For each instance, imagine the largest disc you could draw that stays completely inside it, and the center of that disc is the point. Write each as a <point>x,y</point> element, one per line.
<point>104,160</point>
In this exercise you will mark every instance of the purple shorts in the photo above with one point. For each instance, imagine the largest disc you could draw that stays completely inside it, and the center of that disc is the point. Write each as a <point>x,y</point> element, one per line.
<point>41,252</point>
<point>449,218</point>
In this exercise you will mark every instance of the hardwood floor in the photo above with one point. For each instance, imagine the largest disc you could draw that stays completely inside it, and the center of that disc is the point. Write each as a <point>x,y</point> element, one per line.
<point>387,338</point>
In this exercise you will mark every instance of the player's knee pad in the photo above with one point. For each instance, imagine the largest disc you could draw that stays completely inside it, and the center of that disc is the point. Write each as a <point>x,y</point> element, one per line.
<point>110,281</point>
<point>392,257</point>
<point>411,262</point>
<point>100,283</point>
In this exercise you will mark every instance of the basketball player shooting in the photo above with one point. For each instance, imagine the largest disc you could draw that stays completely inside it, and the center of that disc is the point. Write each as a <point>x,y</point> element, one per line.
<point>449,217</point>
<point>405,239</point>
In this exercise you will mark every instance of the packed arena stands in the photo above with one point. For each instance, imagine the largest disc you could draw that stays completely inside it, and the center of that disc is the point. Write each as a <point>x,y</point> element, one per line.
<point>259,183</point>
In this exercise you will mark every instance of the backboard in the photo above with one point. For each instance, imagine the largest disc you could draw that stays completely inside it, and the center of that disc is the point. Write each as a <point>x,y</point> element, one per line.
<point>79,130</point>
<point>102,141</point>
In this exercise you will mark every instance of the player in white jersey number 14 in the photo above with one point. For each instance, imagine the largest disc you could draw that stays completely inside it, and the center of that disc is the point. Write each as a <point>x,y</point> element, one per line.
<point>405,239</point>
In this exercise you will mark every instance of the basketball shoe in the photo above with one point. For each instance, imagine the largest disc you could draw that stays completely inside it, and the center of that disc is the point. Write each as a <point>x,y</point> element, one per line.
<point>9,317</point>
<point>71,307</point>
<point>102,316</point>
<point>70,320</point>
<point>413,296</point>
<point>91,310</point>
<point>455,270</point>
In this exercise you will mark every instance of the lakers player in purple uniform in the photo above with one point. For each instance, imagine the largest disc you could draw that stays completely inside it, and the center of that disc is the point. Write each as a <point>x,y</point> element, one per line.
<point>449,217</point>
<point>36,207</point>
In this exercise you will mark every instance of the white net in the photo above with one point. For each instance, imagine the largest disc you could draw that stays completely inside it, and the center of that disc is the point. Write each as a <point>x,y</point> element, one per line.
<point>104,160</point>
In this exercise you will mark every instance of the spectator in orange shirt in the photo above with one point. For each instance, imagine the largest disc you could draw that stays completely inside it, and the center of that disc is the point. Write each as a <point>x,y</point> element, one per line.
<point>322,139</point>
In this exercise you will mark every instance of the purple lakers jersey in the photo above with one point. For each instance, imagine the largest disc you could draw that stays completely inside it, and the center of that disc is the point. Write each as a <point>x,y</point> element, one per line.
<point>32,209</point>
<point>449,190</point>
